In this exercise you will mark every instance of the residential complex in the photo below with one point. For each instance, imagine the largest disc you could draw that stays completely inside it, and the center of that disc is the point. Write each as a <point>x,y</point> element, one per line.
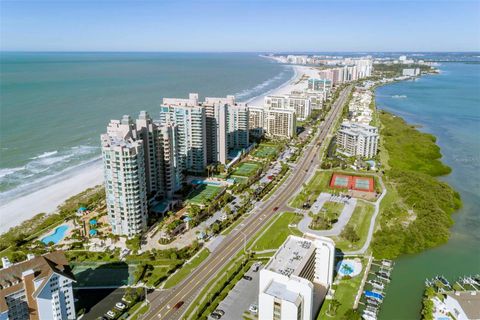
<point>294,101</point>
<point>36,289</point>
<point>411,72</point>
<point>280,123</point>
<point>297,278</point>
<point>357,139</point>
<point>124,160</point>
<point>149,158</point>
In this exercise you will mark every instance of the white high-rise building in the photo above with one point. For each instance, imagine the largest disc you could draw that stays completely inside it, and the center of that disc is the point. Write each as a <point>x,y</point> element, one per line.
<point>280,123</point>
<point>227,127</point>
<point>238,127</point>
<point>38,288</point>
<point>189,117</point>
<point>357,139</point>
<point>256,122</point>
<point>294,101</point>
<point>125,181</point>
<point>297,278</point>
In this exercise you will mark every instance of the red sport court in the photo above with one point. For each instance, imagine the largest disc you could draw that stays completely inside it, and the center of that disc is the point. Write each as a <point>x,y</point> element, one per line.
<point>352,182</point>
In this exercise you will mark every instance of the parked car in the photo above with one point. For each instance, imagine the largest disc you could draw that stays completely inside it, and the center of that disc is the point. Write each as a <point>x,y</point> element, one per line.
<point>253,308</point>
<point>247,278</point>
<point>120,306</point>
<point>220,312</point>
<point>215,315</point>
<point>110,314</point>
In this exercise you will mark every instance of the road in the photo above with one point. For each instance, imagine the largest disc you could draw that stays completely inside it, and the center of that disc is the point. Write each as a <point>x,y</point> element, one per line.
<point>162,306</point>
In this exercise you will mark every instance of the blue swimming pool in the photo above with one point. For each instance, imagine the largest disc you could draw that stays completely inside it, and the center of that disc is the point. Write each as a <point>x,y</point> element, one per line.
<point>349,267</point>
<point>56,236</point>
<point>210,183</point>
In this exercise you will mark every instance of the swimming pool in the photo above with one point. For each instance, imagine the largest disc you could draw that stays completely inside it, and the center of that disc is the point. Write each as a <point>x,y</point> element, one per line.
<point>56,236</point>
<point>349,268</point>
<point>210,183</point>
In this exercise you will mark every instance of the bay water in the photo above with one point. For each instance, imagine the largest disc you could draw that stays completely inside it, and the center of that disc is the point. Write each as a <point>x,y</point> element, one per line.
<point>446,105</point>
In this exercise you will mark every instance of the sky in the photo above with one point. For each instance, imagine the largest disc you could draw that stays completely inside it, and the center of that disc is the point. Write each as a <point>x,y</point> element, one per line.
<point>236,25</point>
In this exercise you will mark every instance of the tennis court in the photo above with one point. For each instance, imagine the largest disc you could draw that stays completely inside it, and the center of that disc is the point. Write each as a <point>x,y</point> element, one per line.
<point>352,182</point>
<point>363,184</point>
<point>265,151</point>
<point>203,194</point>
<point>340,181</point>
<point>246,169</point>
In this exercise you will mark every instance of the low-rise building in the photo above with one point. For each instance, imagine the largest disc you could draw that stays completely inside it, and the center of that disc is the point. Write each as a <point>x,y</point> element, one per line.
<point>411,72</point>
<point>356,139</point>
<point>38,288</point>
<point>297,278</point>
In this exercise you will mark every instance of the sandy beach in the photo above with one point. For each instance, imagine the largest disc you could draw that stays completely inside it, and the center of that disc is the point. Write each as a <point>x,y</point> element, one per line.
<point>49,196</point>
<point>291,85</point>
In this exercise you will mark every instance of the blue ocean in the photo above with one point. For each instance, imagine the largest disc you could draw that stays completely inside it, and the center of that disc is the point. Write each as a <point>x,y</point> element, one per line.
<point>54,106</point>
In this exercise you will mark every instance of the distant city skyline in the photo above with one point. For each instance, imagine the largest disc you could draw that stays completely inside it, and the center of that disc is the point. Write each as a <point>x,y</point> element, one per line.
<point>240,26</point>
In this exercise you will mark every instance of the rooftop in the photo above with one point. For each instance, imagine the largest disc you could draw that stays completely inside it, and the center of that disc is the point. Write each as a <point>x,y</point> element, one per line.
<point>291,256</point>
<point>280,291</point>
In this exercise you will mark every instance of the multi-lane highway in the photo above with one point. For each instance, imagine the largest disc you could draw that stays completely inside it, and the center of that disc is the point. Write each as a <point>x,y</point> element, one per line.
<point>174,303</point>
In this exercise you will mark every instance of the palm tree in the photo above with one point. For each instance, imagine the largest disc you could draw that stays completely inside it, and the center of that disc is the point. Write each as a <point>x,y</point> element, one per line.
<point>333,307</point>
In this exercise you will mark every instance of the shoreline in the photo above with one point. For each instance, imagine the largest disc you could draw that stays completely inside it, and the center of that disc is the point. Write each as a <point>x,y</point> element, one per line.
<point>50,196</point>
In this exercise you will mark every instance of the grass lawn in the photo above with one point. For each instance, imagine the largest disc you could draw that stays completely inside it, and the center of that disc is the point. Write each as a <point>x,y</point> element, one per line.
<point>151,278</point>
<point>246,169</point>
<point>203,194</point>
<point>277,232</point>
<point>360,221</point>
<point>186,269</point>
<point>345,293</point>
<point>315,186</point>
<point>265,151</point>
<point>333,209</point>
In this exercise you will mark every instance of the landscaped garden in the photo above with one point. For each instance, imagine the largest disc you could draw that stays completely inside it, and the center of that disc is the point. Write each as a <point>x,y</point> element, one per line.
<point>355,232</point>
<point>327,216</point>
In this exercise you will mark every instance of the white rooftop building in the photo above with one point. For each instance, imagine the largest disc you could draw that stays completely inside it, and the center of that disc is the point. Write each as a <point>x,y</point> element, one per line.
<point>296,279</point>
<point>357,139</point>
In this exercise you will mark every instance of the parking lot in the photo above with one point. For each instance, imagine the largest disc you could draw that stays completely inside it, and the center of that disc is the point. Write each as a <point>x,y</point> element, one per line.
<point>241,297</point>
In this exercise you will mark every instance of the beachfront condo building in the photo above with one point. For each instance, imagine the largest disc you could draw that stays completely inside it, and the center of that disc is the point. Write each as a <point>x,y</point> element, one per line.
<point>39,288</point>
<point>256,121</point>
<point>125,180</point>
<point>319,85</point>
<point>280,123</point>
<point>237,126</point>
<point>225,127</point>
<point>296,279</point>
<point>357,139</point>
<point>294,101</point>
<point>216,128</point>
<point>189,117</point>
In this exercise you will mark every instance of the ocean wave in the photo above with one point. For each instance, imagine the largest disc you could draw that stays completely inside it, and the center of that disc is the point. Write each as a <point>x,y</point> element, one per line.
<point>399,96</point>
<point>46,154</point>
<point>7,171</point>
<point>45,165</point>
<point>266,86</point>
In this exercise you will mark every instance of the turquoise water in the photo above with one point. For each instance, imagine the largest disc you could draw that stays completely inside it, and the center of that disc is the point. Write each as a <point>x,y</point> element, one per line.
<point>56,236</point>
<point>54,106</point>
<point>448,106</point>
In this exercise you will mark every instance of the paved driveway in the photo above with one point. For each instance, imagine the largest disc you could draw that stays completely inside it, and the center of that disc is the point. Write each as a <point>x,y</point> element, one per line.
<point>240,297</point>
<point>342,219</point>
